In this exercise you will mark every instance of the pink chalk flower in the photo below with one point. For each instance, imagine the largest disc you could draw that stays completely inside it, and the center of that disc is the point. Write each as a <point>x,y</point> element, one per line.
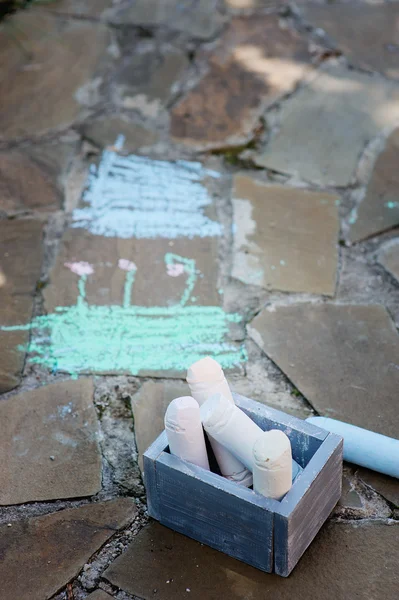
<point>175,269</point>
<point>80,268</point>
<point>126,265</point>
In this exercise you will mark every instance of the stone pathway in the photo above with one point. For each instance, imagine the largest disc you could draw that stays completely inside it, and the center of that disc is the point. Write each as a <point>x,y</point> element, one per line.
<point>213,175</point>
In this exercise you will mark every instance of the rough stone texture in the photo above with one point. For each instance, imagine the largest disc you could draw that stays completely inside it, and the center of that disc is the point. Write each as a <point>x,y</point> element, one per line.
<point>51,431</point>
<point>344,110</point>
<point>367,35</point>
<point>248,5</point>
<point>40,555</point>
<point>344,561</point>
<point>389,258</point>
<point>88,8</point>
<point>342,358</point>
<point>379,210</point>
<point>197,19</point>
<point>388,487</point>
<point>106,285</point>
<point>20,264</point>
<point>99,595</point>
<point>255,62</point>
<point>34,98</point>
<point>273,227</point>
<point>349,497</point>
<point>149,405</point>
<point>147,80</point>
<point>104,132</point>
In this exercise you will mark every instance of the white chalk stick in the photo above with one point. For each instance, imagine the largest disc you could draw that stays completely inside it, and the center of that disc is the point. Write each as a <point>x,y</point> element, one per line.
<point>184,431</point>
<point>205,378</point>
<point>272,460</point>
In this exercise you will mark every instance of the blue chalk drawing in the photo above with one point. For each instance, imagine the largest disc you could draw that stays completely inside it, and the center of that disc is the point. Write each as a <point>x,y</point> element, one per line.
<point>137,197</point>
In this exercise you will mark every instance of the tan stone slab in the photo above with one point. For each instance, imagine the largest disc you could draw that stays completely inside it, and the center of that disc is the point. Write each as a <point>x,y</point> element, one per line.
<point>255,62</point>
<point>149,406</point>
<point>379,210</point>
<point>326,125</point>
<point>99,595</point>
<point>197,19</point>
<point>368,35</point>
<point>104,132</point>
<point>389,258</point>
<point>50,446</point>
<point>152,286</point>
<point>284,238</point>
<point>20,265</point>
<point>40,555</point>
<point>344,561</point>
<point>341,357</point>
<point>388,487</point>
<point>147,80</point>
<point>45,61</point>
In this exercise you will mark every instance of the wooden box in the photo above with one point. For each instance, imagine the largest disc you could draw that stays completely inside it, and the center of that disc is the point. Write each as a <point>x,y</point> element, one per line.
<point>269,534</point>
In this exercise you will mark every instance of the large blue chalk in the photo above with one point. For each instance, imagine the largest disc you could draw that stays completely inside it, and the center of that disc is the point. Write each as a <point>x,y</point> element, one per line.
<point>363,447</point>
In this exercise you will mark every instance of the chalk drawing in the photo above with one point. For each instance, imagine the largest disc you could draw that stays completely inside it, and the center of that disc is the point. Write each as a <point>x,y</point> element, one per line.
<point>136,197</point>
<point>129,338</point>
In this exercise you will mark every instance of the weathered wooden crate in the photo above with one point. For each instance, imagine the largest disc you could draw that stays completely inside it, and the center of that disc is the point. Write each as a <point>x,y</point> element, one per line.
<point>268,534</point>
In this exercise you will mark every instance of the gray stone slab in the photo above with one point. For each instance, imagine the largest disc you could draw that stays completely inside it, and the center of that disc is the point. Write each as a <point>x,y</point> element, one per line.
<point>367,34</point>
<point>379,209</point>
<point>345,560</point>
<point>104,132</point>
<point>273,226</point>
<point>20,266</point>
<point>389,258</point>
<point>53,431</point>
<point>197,19</point>
<point>34,97</point>
<point>388,487</point>
<point>89,8</point>
<point>341,357</point>
<point>40,555</point>
<point>147,80</point>
<point>149,405</point>
<point>349,497</point>
<point>99,595</point>
<point>326,125</point>
<point>254,63</point>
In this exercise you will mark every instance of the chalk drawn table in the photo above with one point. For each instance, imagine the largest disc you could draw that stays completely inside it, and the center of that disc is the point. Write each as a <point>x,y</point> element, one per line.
<point>269,534</point>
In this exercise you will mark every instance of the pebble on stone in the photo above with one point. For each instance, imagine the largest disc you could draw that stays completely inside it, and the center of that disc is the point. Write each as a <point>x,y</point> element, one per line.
<point>200,20</point>
<point>40,555</point>
<point>368,35</point>
<point>389,258</point>
<point>284,238</point>
<point>20,265</point>
<point>379,209</point>
<point>49,441</point>
<point>326,125</point>
<point>103,133</point>
<point>34,98</point>
<point>344,561</point>
<point>255,63</point>
<point>149,405</point>
<point>343,358</point>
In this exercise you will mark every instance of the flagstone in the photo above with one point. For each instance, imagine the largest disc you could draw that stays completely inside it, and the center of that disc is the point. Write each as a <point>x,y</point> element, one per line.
<point>50,446</point>
<point>343,358</point>
<point>255,62</point>
<point>149,405</point>
<point>388,487</point>
<point>389,258</point>
<point>35,49</point>
<point>344,110</point>
<point>40,555</point>
<point>99,595</point>
<point>284,238</point>
<point>367,34</point>
<point>344,560</point>
<point>89,8</point>
<point>20,266</point>
<point>105,131</point>
<point>379,209</point>
<point>147,80</point>
<point>197,19</point>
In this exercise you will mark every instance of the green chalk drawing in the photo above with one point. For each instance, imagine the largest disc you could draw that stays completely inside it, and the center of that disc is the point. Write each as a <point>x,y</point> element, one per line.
<point>392,204</point>
<point>89,338</point>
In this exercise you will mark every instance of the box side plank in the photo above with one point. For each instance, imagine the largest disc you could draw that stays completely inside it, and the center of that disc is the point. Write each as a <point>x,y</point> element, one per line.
<point>150,479</point>
<point>308,504</point>
<point>213,515</point>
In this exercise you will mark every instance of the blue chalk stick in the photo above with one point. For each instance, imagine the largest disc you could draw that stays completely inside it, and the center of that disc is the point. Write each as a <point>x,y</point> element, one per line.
<point>363,447</point>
